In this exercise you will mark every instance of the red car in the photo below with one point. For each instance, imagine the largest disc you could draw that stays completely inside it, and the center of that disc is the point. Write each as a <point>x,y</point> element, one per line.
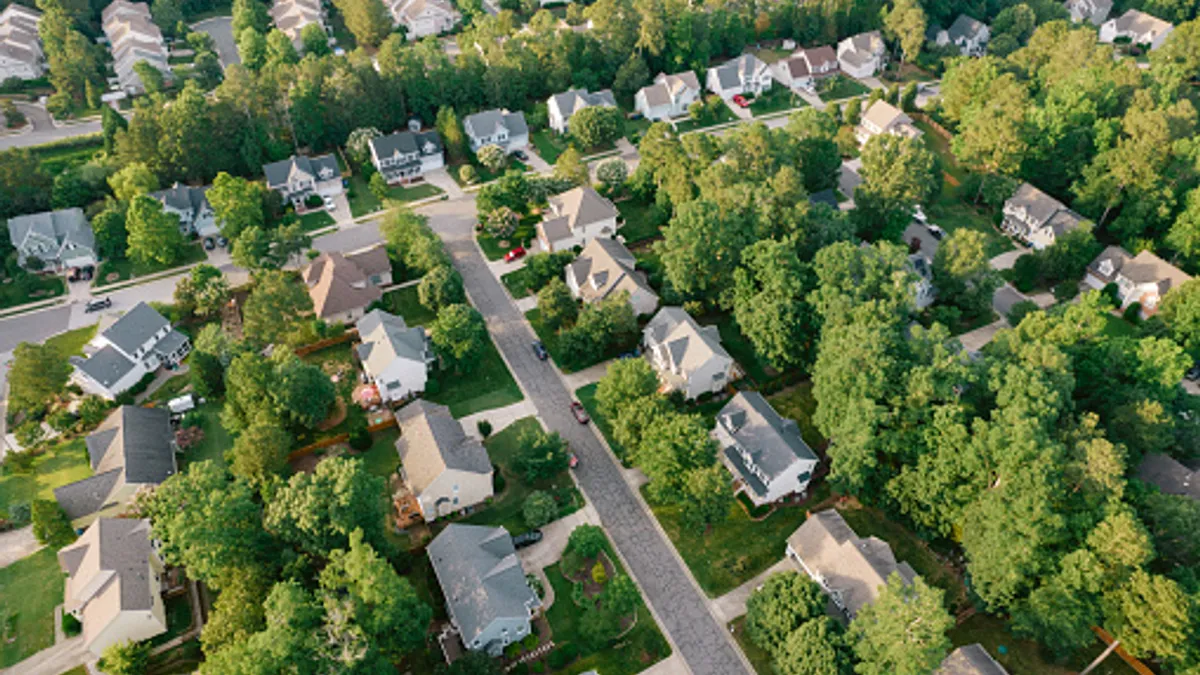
<point>741,101</point>
<point>580,414</point>
<point>518,252</point>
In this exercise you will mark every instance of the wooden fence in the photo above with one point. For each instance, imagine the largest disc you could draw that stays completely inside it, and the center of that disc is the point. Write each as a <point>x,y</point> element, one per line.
<point>340,438</point>
<point>941,130</point>
<point>317,346</point>
<point>1133,662</point>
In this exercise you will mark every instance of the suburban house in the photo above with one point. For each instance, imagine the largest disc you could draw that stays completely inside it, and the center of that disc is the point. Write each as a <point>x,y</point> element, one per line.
<point>668,97</point>
<point>406,155</point>
<point>764,451</point>
<point>689,358</point>
<point>291,16</point>
<point>862,55</point>
<point>489,602</point>
<point>848,568</point>
<point>300,176</point>
<point>970,660</point>
<point>1138,27</point>
<point>114,583</point>
<point>133,37</point>
<point>342,285</point>
<point>497,127</point>
<point>423,17</point>
<point>191,205</point>
<point>576,217</point>
<point>1037,218</point>
<point>134,448</point>
<point>60,239</point>
<point>606,267</point>
<point>1169,475</point>
<point>125,352</point>
<point>444,470</point>
<point>803,69</point>
<point>20,47</point>
<point>970,36</point>
<point>1144,278</point>
<point>562,106</point>
<point>1095,11</point>
<point>884,118</point>
<point>395,356</point>
<point>744,75</point>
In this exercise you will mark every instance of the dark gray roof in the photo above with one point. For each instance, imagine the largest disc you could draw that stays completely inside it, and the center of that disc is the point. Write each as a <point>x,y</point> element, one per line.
<point>170,343</point>
<point>318,168</point>
<point>106,366</point>
<point>751,480</point>
<point>774,442</point>
<point>1169,475</point>
<point>66,225</point>
<point>480,576</point>
<point>141,444</point>
<point>964,27</point>
<point>736,71</point>
<point>826,197</point>
<point>970,660</point>
<point>86,496</point>
<point>99,441</point>
<point>183,197</point>
<point>1039,205</point>
<point>135,328</point>
<point>395,341</point>
<point>487,122</point>
<point>406,142</point>
<point>577,99</point>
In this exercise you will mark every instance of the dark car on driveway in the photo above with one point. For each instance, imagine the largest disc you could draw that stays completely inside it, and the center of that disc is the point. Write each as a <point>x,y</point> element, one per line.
<point>539,349</point>
<point>520,155</point>
<point>527,539</point>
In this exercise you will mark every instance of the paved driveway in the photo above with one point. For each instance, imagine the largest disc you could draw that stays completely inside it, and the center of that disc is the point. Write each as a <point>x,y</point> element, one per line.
<point>929,245</point>
<point>1006,260</point>
<point>1005,298</point>
<point>850,178</point>
<point>220,28</point>
<point>17,544</point>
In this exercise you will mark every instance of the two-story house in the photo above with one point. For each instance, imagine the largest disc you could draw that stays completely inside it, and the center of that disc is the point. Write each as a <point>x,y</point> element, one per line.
<point>489,602</point>
<point>138,343</point>
<point>884,118</point>
<point>132,450</point>
<point>1138,27</point>
<point>21,53</point>
<point>970,36</point>
<point>502,128</point>
<point>603,269</point>
<point>443,469</point>
<point>668,97</point>
<point>862,55</point>
<point>292,16</point>
<point>394,356</point>
<point>1095,11</point>
<point>61,240</point>
<point>342,286</point>
<point>576,217</point>
<point>114,583</point>
<point>423,17</point>
<point>300,176</point>
<point>764,451</point>
<point>746,75</point>
<point>560,107</point>
<point>802,70</point>
<point>1143,278</point>
<point>405,156</point>
<point>688,358</point>
<point>191,205</point>
<point>1036,218</point>
<point>133,36</point>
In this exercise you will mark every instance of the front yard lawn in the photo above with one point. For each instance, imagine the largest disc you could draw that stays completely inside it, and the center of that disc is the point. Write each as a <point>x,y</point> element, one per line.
<point>58,465</point>
<point>522,236</point>
<point>952,213</point>
<point>363,201</point>
<point>548,144</point>
<point>550,339</point>
<point>127,269</point>
<point>31,288</point>
<point>517,283</point>
<point>635,129</point>
<point>643,220</point>
<point>723,115</point>
<point>315,220</point>
<point>489,386</point>
<point>406,302</point>
<point>758,657</point>
<point>774,100</point>
<point>840,87</point>
<point>29,590</point>
<point>71,342</point>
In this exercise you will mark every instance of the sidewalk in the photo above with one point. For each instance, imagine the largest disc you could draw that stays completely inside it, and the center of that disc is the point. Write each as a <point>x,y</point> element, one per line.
<point>586,376</point>
<point>499,417</point>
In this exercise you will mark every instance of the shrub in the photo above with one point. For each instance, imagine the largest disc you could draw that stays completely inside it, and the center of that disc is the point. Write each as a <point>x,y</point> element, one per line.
<point>598,574</point>
<point>19,513</point>
<point>433,386</point>
<point>1019,311</point>
<point>485,428</point>
<point>578,596</point>
<point>512,651</point>
<point>188,437</point>
<point>360,438</point>
<point>50,524</point>
<point>586,540</point>
<point>538,666</point>
<point>1133,313</point>
<point>71,625</point>
<point>1066,291</point>
<point>62,420</point>
<point>1026,272</point>
<point>468,174</point>
<point>30,434</point>
<point>539,508</point>
<point>530,642</point>
<point>562,656</point>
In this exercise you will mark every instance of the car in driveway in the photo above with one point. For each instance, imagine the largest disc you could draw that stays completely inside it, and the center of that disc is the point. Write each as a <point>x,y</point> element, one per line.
<point>539,350</point>
<point>937,232</point>
<point>329,205</point>
<point>740,101</point>
<point>209,243</point>
<point>1193,373</point>
<point>515,254</point>
<point>527,539</point>
<point>520,155</point>
<point>97,304</point>
<point>580,414</point>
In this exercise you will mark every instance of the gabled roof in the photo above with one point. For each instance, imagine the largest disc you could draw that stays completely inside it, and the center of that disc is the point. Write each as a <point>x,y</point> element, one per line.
<point>485,124</point>
<point>320,168</point>
<point>965,28</point>
<point>106,366</point>
<point>735,72</point>
<point>1140,23</point>
<point>338,283</point>
<point>577,99</point>
<point>1039,205</point>
<point>581,207</point>
<point>1144,268</point>
<point>819,56</point>
<point>135,328</point>
<point>885,115</point>
<point>1169,475</point>
<point>411,10</point>
<point>183,197</point>
<point>63,226</point>
<point>774,443</point>
<point>87,496</point>
<point>605,267</point>
<point>385,338</point>
<point>406,143</point>
<point>667,88</point>
<point>688,345</point>
<point>1095,11</point>
<point>481,577</point>
<point>432,441</point>
<point>970,660</point>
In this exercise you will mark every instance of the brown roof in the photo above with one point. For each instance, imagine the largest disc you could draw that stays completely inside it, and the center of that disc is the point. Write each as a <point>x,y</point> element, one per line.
<point>338,283</point>
<point>819,56</point>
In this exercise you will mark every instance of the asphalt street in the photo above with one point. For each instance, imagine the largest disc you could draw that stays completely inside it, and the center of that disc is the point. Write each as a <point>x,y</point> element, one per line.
<point>220,28</point>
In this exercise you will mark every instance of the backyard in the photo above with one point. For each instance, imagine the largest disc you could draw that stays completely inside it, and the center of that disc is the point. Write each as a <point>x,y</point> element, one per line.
<point>60,464</point>
<point>127,269</point>
<point>179,618</point>
<point>488,386</point>
<point>406,302</point>
<point>1025,656</point>
<point>381,459</point>
<point>29,590</point>
<point>642,220</point>
<point>59,156</point>
<point>216,439</point>
<point>797,403</point>
<point>755,367</point>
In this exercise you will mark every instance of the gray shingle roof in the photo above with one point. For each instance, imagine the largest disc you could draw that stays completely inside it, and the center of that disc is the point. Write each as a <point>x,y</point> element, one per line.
<point>141,444</point>
<point>66,225</point>
<point>486,123</point>
<point>385,338</point>
<point>407,142</point>
<point>1169,475</point>
<point>135,328</point>
<point>1039,205</point>
<point>106,366</point>
<point>183,197</point>
<point>317,168</point>
<point>774,443</point>
<point>432,441</point>
<point>970,660</point>
<point>109,572</point>
<point>736,71</point>
<point>480,576</point>
<point>577,99</point>
<point>964,27</point>
<point>582,206</point>
<point>86,496</point>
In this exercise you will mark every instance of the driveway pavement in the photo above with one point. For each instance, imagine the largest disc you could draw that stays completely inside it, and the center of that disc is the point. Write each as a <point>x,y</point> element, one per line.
<point>554,539</point>
<point>53,660</point>
<point>17,544</point>
<point>850,178</point>
<point>1006,260</point>
<point>341,209</point>
<point>673,596</point>
<point>441,178</point>
<point>220,28</point>
<point>976,339</point>
<point>733,604</point>
<point>1005,298</point>
<point>535,160</point>
<point>811,98</point>
<point>499,418</point>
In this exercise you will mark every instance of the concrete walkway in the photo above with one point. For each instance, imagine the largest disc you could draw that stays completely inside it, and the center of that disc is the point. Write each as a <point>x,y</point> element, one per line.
<point>17,544</point>
<point>811,99</point>
<point>499,417</point>
<point>733,604</point>
<point>160,378</point>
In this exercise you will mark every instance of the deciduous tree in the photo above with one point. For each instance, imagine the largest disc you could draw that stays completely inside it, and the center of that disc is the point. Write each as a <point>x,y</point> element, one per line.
<point>459,336</point>
<point>786,601</point>
<point>903,632</point>
<point>154,236</point>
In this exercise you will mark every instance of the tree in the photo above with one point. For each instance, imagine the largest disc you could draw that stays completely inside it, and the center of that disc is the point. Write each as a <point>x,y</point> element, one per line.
<point>280,50</point>
<point>252,48</point>
<point>206,374</point>
<point>587,540</point>
<point>538,509</point>
<point>237,204</point>
<point>317,512</point>
<point>962,272</point>
<point>1180,311</point>
<point>132,180</point>
<point>700,250</point>
<point>459,337</point>
<point>595,126</point>
<point>817,647</point>
<point>203,292</point>
<point>111,122</point>
<point>540,268</point>
<point>51,527</point>
<point>768,302</point>
<point>1148,615</point>
<point>492,157</point>
<point>302,392</point>
<point>37,375</point>
<point>612,173</point>
<point>259,452</point>
<point>540,455</point>
<point>992,135</point>
<point>152,78</point>
<point>250,14</point>
<point>570,167</point>
<point>367,20</point>
<point>273,307</point>
<point>314,40</point>
<point>556,306</point>
<point>897,175</point>
<point>358,144</point>
<point>92,411</point>
<point>511,190</point>
<point>669,450</point>
<point>109,229</point>
<point>501,223</point>
<point>154,236</point>
<point>707,497</point>
<point>626,382</point>
<point>786,601</point>
<point>620,595</point>
<point>905,23</point>
<point>631,76</point>
<point>440,287</point>
<point>903,632</point>
<point>451,131</point>
<point>127,657</point>
<point>472,663</point>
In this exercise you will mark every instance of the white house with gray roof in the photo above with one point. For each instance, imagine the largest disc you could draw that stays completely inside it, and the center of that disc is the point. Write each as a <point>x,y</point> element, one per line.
<point>1138,27</point>
<point>21,53</point>
<point>133,449</point>
<point>803,69</point>
<point>497,127</point>
<point>848,568</point>
<point>395,356</point>
<point>604,268</point>
<point>970,36</point>
<point>114,583</point>
<point>970,660</point>
<point>562,106</point>
<point>60,239</point>
<point>1143,278</point>
<point>406,155</point>
<point>1036,218</point>
<point>191,205</point>
<point>689,358</point>
<point>669,96</point>
<point>423,17</point>
<point>862,55</point>
<point>137,344</point>
<point>763,450</point>
<point>576,217</point>
<point>444,469</point>
<point>299,176</point>
<point>1095,11</point>
<point>489,602</point>
<point>746,74</point>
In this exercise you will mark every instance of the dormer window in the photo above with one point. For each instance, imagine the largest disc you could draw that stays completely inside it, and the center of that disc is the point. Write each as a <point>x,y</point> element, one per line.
<point>1106,267</point>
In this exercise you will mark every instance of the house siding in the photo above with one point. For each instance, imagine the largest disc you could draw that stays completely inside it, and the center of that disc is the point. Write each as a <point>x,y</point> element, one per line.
<point>473,488</point>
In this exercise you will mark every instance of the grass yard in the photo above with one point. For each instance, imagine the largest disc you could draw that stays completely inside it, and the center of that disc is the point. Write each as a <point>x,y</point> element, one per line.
<point>724,115</point>
<point>62,155</point>
<point>940,145</point>
<point>522,236</point>
<point>758,657</point>
<point>170,389</point>
<point>127,269</point>
<point>489,386</point>
<point>1026,656</point>
<point>642,220</point>
<point>839,87</point>
<point>216,439</point>
<point>179,619</point>
<point>756,367</point>
<point>771,55</point>
<point>635,129</point>
<point>797,403</point>
<point>31,288</point>
<point>364,201</point>
<point>1116,326</point>
<point>71,342</point>
<point>776,99</point>
<point>315,220</point>
<point>60,464</point>
<point>952,213</point>
<point>29,590</point>
<point>381,458</point>
<point>406,302</point>
<point>517,283</point>
<point>548,144</point>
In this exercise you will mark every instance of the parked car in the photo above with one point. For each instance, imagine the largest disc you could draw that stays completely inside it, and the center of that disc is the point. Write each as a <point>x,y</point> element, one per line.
<point>516,253</point>
<point>222,242</point>
<point>1193,373</point>
<point>740,101</point>
<point>936,231</point>
<point>539,350</point>
<point>574,461</point>
<point>329,203</point>
<point>919,214</point>
<point>520,155</point>
<point>527,539</point>
<point>97,304</point>
<point>209,244</point>
<point>580,414</point>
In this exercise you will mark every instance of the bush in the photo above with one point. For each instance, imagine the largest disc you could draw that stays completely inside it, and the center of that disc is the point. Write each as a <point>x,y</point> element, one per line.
<point>1019,311</point>
<point>598,574</point>
<point>485,428</point>
<point>30,434</point>
<point>539,508</point>
<point>360,438</point>
<point>468,174</point>
<point>62,420</point>
<point>587,540</point>
<point>1027,271</point>
<point>562,656</point>
<point>530,642</point>
<point>50,524</point>
<point>1113,293</point>
<point>433,386</point>
<point>188,437</point>
<point>19,514</point>
<point>71,625</point>
<point>578,596</point>
<point>1066,291</point>
<point>1133,313</point>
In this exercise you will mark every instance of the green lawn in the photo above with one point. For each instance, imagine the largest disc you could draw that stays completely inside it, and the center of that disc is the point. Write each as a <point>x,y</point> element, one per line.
<point>62,155</point>
<point>642,220</point>
<point>775,100</point>
<point>216,439</point>
<point>315,220</point>
<point>489,386</point>
<point>635,129</point>
<point>758,657</point>
<point>1116,326</point>
<point>522,236</point>
<point>769,56</point>
<point>30,589</point>
<point>381,458</point>
<point>756,367</point>
<point>127,269</point>
<point>840,87</point>
<point>797,403</point>
<point>940,145</point>
<point>60,464</point>
<point>724,114</point>
<point>549,144</point>
<point>517,283</point>
<point>1026,656</point>
<point>31,288</point>
<point>952,213</point>
<point>170,389</point>
<point>505,509</point>
<point>406,302</point>
<point>364,201</point>
<point>71,342</point>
